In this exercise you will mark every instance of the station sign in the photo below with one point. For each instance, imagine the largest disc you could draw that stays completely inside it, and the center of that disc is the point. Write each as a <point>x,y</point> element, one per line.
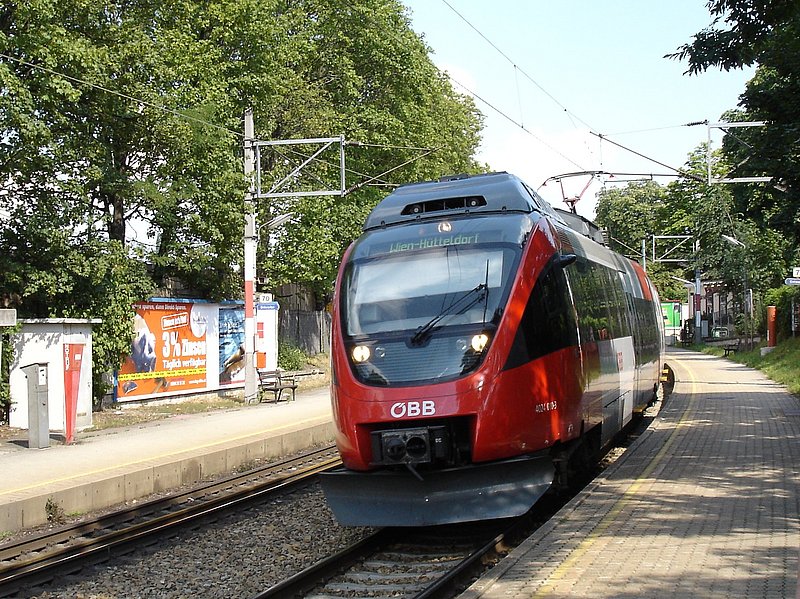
<point>792,281</point>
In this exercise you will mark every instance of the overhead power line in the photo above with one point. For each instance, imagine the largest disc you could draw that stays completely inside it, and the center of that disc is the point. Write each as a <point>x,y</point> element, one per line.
<point>392,34</point>
<point>516,65</point>
<point>677,170</point>
<point>120,94</point>
<point>513,121</point>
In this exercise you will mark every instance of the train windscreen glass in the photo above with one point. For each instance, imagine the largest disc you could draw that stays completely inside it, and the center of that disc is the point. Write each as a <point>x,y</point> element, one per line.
<point>421,304</point>
<point>404,292</point>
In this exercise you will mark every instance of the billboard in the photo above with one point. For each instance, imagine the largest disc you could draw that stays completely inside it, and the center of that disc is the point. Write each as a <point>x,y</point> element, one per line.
<point>169,352</point>
<point>672,314</point>
<point>183,347</point>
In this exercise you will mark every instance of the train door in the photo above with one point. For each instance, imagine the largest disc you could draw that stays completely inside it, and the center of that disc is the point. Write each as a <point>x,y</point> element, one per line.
<point>627,350</point>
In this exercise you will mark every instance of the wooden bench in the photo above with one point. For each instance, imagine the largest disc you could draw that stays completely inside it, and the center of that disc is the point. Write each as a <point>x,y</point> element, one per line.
<point>730,348</point>
<point>275,382</point>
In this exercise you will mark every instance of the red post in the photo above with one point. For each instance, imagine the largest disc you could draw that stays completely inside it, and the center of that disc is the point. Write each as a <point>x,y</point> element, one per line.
<point>73,357</point>
<point>772,326</point>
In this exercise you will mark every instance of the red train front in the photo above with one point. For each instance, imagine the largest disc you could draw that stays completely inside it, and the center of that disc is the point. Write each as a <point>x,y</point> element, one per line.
<point>477,341</point>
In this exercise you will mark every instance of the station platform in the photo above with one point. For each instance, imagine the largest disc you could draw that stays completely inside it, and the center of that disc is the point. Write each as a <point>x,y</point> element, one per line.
<point>705,503</point>
<point>109,467</point>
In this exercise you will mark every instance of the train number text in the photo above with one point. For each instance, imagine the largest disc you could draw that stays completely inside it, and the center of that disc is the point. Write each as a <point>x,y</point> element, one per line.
<point>546,407</point>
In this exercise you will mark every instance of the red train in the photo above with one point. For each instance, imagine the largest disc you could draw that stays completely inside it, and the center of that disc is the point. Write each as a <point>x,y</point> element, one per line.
<point>479,342</point>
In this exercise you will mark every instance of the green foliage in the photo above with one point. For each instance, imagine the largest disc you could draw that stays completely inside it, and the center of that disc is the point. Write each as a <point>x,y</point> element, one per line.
<point>766,33</point>
<point>291,357</point>
<point>6,357</point>
<point>631,214</point>
<point>54,511</point>
<point>743,32</point>
<point>135,115</point>
<point>689,206</point>
<point>373,82</point>
<point>72,278</point>
<point>781,298</point>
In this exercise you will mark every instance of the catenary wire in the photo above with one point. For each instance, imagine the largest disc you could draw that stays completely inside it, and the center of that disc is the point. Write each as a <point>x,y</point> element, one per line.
<point>183,115</point>
<point>566,110</point>
<point>121,95</point>
<point>515,65</point>
<point>512,120</point>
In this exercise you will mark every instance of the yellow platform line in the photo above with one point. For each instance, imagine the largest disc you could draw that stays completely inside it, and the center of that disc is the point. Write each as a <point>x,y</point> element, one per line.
<point>565,566</point>
<point>318,420</point>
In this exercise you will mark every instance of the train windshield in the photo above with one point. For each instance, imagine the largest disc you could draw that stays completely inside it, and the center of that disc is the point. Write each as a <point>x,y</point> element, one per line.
<point>421,302</point>
<point>406,292</point>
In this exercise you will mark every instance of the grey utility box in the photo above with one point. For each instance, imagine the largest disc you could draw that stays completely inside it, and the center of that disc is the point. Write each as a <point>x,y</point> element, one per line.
<point>38,418</point>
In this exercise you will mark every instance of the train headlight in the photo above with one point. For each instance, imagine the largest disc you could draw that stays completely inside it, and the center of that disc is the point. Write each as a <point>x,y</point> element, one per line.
<point>479,342</point>
<point>360,354</point>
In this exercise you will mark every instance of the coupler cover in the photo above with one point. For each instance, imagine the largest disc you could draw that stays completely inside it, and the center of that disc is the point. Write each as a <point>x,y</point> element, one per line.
<point>399,498</point>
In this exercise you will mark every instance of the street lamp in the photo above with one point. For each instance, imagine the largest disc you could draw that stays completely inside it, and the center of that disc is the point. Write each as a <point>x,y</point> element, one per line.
<point>747,328</point>
<point>278,220</point>
<point>733,240</point>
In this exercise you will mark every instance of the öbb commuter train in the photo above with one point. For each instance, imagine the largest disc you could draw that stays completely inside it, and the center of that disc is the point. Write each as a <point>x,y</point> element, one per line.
<point>478,344</point>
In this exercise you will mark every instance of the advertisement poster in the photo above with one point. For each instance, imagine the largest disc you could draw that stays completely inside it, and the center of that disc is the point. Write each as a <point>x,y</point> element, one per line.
<point>672,314</point>
<point>231,345</point>
<point>169,350</point>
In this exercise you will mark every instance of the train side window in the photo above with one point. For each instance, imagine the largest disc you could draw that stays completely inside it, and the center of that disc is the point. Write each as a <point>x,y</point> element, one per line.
<point>548,322</point>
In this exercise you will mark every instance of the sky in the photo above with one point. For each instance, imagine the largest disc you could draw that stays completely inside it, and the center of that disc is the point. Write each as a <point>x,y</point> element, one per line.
<point>565,69</point>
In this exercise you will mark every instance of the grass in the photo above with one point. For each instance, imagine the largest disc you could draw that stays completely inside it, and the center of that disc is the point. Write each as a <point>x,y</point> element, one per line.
<point>781,365</point>
<point>130,415</point>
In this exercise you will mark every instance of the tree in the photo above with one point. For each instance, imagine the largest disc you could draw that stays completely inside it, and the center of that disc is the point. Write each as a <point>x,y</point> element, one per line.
<point>706,212</point>
<point>630,213</point>
<point>633,214</point>
<point>126,115</point>
<point>741,34</point>
<point>365,61</point>
<point>766,33</point>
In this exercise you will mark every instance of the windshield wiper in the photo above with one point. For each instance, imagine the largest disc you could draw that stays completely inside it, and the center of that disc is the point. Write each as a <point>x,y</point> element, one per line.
<point>423,332</point>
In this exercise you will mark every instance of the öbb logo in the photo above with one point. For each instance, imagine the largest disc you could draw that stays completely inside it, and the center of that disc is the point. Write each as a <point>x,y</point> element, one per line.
<point>413,408</point>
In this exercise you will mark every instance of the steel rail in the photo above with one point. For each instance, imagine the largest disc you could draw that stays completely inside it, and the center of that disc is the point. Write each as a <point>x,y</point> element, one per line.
<point>317,575</point>
<point>43,566</point>
<point>299,584</point>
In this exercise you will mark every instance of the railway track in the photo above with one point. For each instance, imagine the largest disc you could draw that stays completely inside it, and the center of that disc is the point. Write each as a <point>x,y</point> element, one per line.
<point>393,562</point>
<point>384,565</point>
<point>36,560</point>
<point>426,563</point>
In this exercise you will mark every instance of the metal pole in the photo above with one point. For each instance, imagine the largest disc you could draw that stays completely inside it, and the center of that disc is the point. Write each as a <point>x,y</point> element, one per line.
<point>698,329</point>
<point>250,240</point>
<point>744,307</point>
<point>644,255</point>
<point>342,182</point>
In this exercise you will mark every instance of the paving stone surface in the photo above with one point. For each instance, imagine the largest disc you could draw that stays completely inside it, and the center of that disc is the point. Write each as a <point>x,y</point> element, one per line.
<point>706,503</point>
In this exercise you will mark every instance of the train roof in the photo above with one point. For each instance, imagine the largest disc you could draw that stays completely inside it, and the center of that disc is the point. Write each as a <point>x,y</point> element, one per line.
<point>470,194</point>
<point>457,195</point>
<point>582,225</point>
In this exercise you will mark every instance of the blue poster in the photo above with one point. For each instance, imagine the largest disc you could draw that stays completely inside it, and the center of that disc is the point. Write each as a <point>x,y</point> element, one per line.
<point>231,345</point>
